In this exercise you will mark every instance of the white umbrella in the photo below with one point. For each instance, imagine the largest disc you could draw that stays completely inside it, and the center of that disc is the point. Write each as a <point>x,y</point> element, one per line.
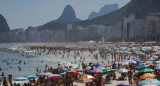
<point>123,70</point>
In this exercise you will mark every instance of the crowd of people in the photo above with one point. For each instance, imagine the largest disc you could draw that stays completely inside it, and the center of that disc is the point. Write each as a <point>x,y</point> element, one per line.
<point>121,58</point>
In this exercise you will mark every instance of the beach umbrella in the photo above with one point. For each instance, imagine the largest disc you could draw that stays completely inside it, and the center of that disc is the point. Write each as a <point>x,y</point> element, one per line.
<point>108,65</point>
<point>150,64</point>
<point>137,67</point>
<point>72,72</point>
<point>2,77</point>
<point>108,71</point>
<point>143,66</point>
<point>30,77</point>
<point>84,79</point>
<point>157,65</point>
<point>149,81</point>
<point>123,84</point>
<point>90,76</point>
<point>158,68</point>
<point>96,71</point>
<point>146,70</point>
<point>150,85</point>
<point>54,76</point>
<point>20,79</point>
<point>57,70</point>
<point>123,70</point>
<point>45,74</point>
<point>147,75</point>
<point>157,61</point>
<point>88,68</point>
<point>100,67</point>
<point>80,70</point>
<point>62,74</point>
<point>158,78</point>
<point>155,57</point>
<point>96,64</point>
<point>151,59</point>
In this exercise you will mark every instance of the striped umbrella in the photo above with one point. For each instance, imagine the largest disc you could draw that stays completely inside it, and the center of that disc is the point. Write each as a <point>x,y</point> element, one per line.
<point>84,79</point>
<point>149,81</point>
<point>72,72</point>
<point>96,71</point>
<point>54,76</point>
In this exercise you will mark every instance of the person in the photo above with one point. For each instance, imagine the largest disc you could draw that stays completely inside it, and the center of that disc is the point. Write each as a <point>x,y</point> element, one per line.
<point>130,73</point>
<point>5,82</point>
<point>135,79</point>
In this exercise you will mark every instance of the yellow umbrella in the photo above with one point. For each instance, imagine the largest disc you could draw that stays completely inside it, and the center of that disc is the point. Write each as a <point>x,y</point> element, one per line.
<point>147,75</point>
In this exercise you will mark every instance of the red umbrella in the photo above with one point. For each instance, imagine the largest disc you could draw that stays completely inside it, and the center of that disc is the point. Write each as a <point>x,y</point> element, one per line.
<point>54,76</point>
<point>150,64</point>
<point>72,72</point>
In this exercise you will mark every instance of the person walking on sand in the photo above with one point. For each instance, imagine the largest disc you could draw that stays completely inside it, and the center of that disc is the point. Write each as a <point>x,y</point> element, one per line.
<point>130,73</point>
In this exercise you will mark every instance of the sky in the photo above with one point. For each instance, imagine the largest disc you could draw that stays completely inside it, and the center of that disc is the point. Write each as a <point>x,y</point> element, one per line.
<point>24,13</point>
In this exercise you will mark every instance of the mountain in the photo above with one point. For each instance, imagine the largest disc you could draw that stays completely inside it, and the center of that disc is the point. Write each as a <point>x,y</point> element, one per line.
<point>141,8</point>
<point>68,16</point>
<point>3,25</point>
<point>104,10</point>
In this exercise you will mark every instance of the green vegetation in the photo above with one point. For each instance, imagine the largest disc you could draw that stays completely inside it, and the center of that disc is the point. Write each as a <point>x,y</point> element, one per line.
<point>141,8</point>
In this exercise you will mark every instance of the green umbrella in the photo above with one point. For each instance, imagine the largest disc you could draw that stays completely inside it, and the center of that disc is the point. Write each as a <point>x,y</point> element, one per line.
<point>158,78</point>
<point>157,61</point>
<point>108,71</point>
<point>146,70</point>
<point>143,66</point>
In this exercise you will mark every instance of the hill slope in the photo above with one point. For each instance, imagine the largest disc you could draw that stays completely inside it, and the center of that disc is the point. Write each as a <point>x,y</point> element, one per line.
<point>3,25</point>
<point>68,16</point>
<point>140,8</point>
<point>104,10</point>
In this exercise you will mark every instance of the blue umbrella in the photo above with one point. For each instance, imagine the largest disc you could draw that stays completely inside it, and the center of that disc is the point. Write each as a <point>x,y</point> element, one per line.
<point>20,79</point>
<point>31,77</point>
<point>137,67</point>
<point>63,74</point>
<point>149,81</point>
<point>157,65</point>
<point>151,59</point>
<point>155,57</point>
<point>136,59</point>
<point>96,64</point>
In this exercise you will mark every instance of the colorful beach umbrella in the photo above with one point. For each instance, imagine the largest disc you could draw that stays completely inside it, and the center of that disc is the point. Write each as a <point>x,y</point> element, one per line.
<point>108,71</point>
<point>90,76</point>
<point>54,76</point>
<point>96,71</point>
<point>72,72</point>
<point>84,79</point>
<point>20,79</point>
<point>45,74</point>
<point>149,81</point>
<point>146,70</point>
<point>150,85</point>
<point>147,75</point>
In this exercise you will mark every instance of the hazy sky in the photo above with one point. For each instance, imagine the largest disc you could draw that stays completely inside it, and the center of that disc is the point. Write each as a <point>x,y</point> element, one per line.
<point>24,13</point>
